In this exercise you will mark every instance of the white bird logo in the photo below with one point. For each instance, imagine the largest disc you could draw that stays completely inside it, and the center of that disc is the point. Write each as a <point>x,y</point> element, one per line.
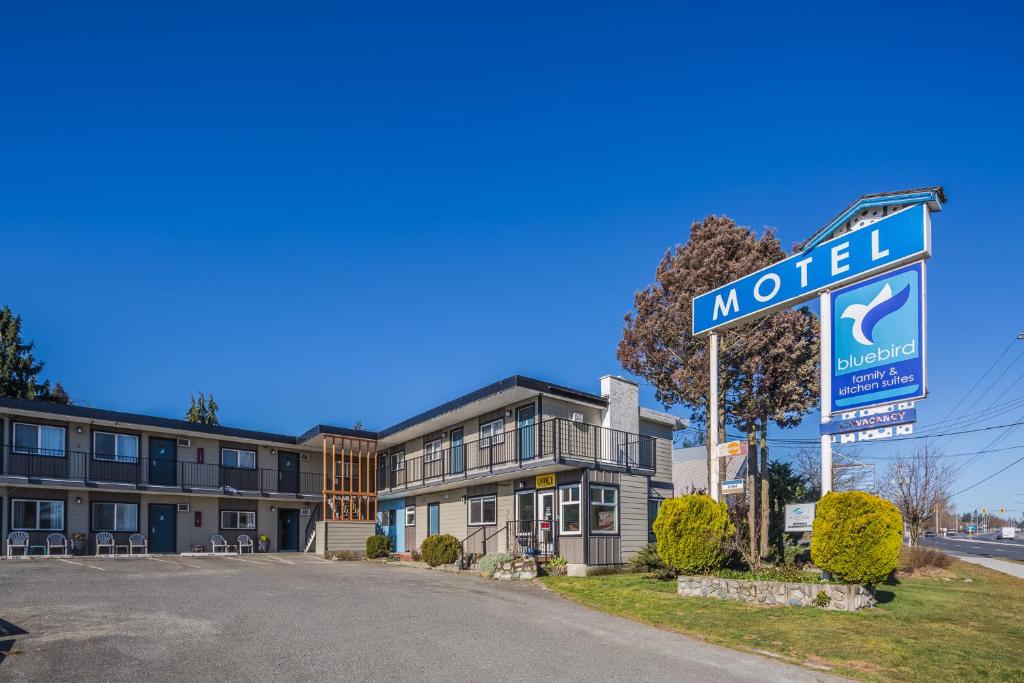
<point>865,317</point>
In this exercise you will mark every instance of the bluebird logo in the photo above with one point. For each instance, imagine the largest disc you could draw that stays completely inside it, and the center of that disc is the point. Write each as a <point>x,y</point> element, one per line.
<point>866,316</point>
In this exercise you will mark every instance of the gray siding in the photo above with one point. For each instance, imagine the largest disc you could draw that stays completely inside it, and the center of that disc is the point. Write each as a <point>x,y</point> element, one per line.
<point>335,536</point>
<point>632,514</point>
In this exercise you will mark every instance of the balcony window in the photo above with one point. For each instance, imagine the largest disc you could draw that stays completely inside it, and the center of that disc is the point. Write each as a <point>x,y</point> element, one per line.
<point>237,519</point>
<point>492,433</point>
<point>483,511</point>
<point>38,440</point>
<point>569,510</point>
<point>398,461</point>
<point>115,447</point>
<point>238,459</point>
<point>37,515</point>
<point>115,517</point>
<point>432,451</point>
<point>604,510</point>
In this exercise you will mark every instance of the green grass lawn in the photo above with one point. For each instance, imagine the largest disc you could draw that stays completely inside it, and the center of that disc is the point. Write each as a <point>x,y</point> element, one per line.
<point>965,626</point>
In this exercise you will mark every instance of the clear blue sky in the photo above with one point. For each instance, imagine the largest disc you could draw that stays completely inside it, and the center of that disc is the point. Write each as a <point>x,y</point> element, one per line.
<point>353,212</point>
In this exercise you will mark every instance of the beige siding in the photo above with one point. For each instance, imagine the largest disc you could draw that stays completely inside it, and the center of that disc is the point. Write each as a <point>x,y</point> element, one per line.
<point>452,514</point>
<point>632,514</point>
<point>342,536</point>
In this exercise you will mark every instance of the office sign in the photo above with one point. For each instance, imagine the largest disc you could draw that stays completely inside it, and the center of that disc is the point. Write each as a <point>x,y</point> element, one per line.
<point>732,486</point>
<point>878,339</point>
<point>800,517</point>
<point>870,421</point>
<point>544,481</point>
<point>897,239</point>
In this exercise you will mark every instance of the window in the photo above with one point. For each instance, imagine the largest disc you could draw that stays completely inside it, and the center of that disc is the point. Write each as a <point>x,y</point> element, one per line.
<point>38,440</point>
<point>115,517</point>
<point>483,511</point>
<point>116,447</point>
<point>37,515</point>
<point>432,451</point>
<point>604,510</point>
<point>243,460</point>
<point>569,510</point>
<point>388,518</point>
<point>398,461</point>
<point>653,505</point>
<point>410,516</point>
<point>237,519</point>
<point>492,433</point>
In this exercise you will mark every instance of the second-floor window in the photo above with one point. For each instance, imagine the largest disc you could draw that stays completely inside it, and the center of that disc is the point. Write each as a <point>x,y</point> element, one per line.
<point>492,433</point>
<point>432,451</point>
<point>398,461</point>
<point>38,439</point>
<point>116,447</point>
<point>233,457</point>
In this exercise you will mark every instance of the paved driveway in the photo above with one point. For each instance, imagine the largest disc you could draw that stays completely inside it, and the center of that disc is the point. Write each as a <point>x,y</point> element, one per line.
<point>300,618</point>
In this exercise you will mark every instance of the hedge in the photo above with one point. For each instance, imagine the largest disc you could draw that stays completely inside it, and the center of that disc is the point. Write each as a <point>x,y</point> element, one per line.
<point>693,532</point>
<point>440,549</point>
<point>857,537</point>
<point>378,546</point>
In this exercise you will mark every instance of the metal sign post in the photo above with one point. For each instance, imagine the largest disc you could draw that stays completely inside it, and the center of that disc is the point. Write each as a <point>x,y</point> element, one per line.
<point>826,389</point>
<point>713,418</point>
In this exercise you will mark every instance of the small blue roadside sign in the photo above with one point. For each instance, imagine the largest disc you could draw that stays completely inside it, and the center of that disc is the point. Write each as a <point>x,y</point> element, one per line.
<point>878,340</point>
<point>732,486</point>
<point>875,421</point>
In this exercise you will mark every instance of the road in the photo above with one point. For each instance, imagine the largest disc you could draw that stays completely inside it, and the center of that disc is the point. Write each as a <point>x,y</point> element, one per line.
<point>983,545</point>
<point>294,617</point>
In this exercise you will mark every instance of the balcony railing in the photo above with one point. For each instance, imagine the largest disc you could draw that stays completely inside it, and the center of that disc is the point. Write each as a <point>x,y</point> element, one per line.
<point>561,440</point>
<point>88,467</point>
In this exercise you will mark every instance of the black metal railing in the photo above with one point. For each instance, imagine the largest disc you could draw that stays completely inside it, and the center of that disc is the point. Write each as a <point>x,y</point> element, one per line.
<point>532,538</point>
<point>557,438</point>
<point>98,468</point>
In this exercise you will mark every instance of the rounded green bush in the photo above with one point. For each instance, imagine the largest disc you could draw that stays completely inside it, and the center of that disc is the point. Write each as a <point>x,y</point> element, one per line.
<point>857,537</point>
<point>440,549</point>
<point>378,546</point>
<point>693,532</point>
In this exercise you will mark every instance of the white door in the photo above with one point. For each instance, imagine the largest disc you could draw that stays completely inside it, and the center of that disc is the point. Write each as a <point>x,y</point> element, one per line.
<point>546,522</point>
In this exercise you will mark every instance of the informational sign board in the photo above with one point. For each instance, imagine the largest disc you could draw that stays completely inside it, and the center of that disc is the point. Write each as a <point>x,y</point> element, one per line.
<point>870,420</point>
<point>872,434</point>
<point>800,517</point>
<point>732,448</point>
<point>878,339</point>
<point>545,481</point>
<point>897,239</point>
<point>732,486</point>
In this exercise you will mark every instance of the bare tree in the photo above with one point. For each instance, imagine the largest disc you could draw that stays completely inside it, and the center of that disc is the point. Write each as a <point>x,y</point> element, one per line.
<point>847,473</point>
<point>916,483</point>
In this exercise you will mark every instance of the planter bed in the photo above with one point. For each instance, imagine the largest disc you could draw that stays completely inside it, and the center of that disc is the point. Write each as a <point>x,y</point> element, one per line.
<point>840,596</point>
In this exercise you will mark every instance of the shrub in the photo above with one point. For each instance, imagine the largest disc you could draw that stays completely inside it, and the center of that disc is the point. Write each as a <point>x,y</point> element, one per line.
<point>856,537</point>
<point>822,599</point>
<point>912,559</point>
<point>378,546</point>
<point>646,559</point>
<point>557,566</point>
<point>440,549</point>
<point>692,533</point>
<point>489,563</point>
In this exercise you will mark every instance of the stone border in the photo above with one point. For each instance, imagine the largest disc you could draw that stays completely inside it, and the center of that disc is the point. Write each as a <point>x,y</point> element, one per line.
<point>843,597</point>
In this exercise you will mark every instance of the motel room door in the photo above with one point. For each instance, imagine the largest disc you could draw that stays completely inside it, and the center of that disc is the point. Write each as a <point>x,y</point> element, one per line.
<point>162,528</point>
<point>433,519</point>
<point>287,472</point>
<point>288,526</point>
<point>163,465</point>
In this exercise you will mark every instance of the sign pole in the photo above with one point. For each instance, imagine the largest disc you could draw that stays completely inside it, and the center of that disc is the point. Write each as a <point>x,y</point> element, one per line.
<point>826,390</point>
<point>713,418</point>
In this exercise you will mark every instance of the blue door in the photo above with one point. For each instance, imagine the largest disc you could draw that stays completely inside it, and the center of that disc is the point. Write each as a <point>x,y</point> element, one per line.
<point>162,528</point>
<point>458,452</point>
<point>524,423</point>
<point>163,464</point>
<point>433,519</point>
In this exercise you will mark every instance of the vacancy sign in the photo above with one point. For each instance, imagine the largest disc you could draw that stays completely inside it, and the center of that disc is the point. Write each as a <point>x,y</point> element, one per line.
<point>897,239</point>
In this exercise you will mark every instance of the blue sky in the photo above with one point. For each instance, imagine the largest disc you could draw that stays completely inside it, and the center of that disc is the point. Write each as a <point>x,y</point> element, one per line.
<point>348,212</point>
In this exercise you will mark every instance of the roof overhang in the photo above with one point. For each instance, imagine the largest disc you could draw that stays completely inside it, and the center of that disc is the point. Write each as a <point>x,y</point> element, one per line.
<point>663,418</point>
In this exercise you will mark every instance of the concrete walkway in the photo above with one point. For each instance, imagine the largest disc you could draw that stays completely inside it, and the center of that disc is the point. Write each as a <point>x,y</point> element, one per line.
<point>1011,568</point>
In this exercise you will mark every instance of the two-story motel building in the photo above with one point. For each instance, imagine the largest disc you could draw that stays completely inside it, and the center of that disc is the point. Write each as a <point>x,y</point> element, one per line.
<point>520,466</point>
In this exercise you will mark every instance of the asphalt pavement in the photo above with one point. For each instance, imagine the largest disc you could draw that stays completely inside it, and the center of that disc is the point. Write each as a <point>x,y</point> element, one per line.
<point>983,545</point>
<point>295,617</point>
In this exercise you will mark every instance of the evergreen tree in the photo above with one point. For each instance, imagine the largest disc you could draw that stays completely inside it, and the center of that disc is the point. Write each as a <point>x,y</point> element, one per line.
<point>19,370</point>
<point>202,411</point>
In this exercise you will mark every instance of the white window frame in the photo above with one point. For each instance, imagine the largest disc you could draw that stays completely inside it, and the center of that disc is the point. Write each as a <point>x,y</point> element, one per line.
<point>239,518</point>
<point>602,504</point>
<point>37,501</point>
<point>410,515</point>
<point>116,456</point>
<point>238,454</point>
<point>116,506</point>
<point>492,433</point>
<point>432,451</point>
<point>480,500</point>
<point>563,503</point>
<point>37,450</point>
<point>398,461</point>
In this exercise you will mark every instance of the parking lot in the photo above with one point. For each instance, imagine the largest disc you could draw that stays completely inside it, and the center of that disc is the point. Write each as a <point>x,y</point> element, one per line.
<point>296,616</point>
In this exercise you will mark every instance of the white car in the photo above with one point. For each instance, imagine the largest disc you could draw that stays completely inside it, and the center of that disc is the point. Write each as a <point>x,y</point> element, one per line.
<point>1007,533</point>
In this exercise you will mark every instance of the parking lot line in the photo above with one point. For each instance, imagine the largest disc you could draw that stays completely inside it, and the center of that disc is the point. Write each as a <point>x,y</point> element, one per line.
<point>239,559</point>
<point>82,564</point>
<point>157,559</point>
<point>277,559</point>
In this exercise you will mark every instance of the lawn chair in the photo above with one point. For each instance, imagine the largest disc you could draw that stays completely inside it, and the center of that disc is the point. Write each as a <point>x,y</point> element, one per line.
<point>218,541</point>
<point>138,541</point>
<point>244,542</point>
<point>105,539</point>
<point>17,539</point>
<point>56,541</point>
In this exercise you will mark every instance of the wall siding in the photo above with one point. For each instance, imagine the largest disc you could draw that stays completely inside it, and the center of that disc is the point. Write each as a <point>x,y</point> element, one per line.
<point>336,536</point>
<point>633,492</point>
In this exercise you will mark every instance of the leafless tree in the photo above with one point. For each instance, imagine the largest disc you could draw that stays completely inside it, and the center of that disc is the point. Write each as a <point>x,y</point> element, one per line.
<point>916,483</point>
<point>847,473</point>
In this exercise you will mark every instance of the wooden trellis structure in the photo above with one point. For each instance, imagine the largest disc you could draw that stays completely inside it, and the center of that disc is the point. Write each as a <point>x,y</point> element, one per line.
<point>350,479</point>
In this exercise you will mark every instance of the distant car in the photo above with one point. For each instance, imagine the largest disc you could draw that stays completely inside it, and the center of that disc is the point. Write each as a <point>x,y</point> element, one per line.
<point>951,533</point>
<point>929,534</point>
<point>1006,533</point>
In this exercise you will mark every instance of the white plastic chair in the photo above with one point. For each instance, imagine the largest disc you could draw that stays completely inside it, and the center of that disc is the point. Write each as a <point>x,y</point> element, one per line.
<point>17,539</point>
<point>138,541</point>
<point>56,541</point>
<point>105,539</point>
<point>218,541</point>
<point>244,542</point>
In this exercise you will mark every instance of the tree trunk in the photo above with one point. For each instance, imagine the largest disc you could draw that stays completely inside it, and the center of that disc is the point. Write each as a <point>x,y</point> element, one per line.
<point>765,492</point>
<point>751,486</point>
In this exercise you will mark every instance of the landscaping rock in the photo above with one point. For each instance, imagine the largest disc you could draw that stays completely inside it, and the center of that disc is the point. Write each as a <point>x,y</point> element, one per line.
<point>841,597</point>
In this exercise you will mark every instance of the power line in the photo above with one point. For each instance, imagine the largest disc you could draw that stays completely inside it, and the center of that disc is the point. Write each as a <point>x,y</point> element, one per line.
<point>997,472</point>
<point>981,379</point>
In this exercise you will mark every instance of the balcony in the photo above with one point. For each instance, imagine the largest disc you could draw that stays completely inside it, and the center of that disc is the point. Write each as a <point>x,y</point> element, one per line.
<point>86,468</point>
<point>554,441</point>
